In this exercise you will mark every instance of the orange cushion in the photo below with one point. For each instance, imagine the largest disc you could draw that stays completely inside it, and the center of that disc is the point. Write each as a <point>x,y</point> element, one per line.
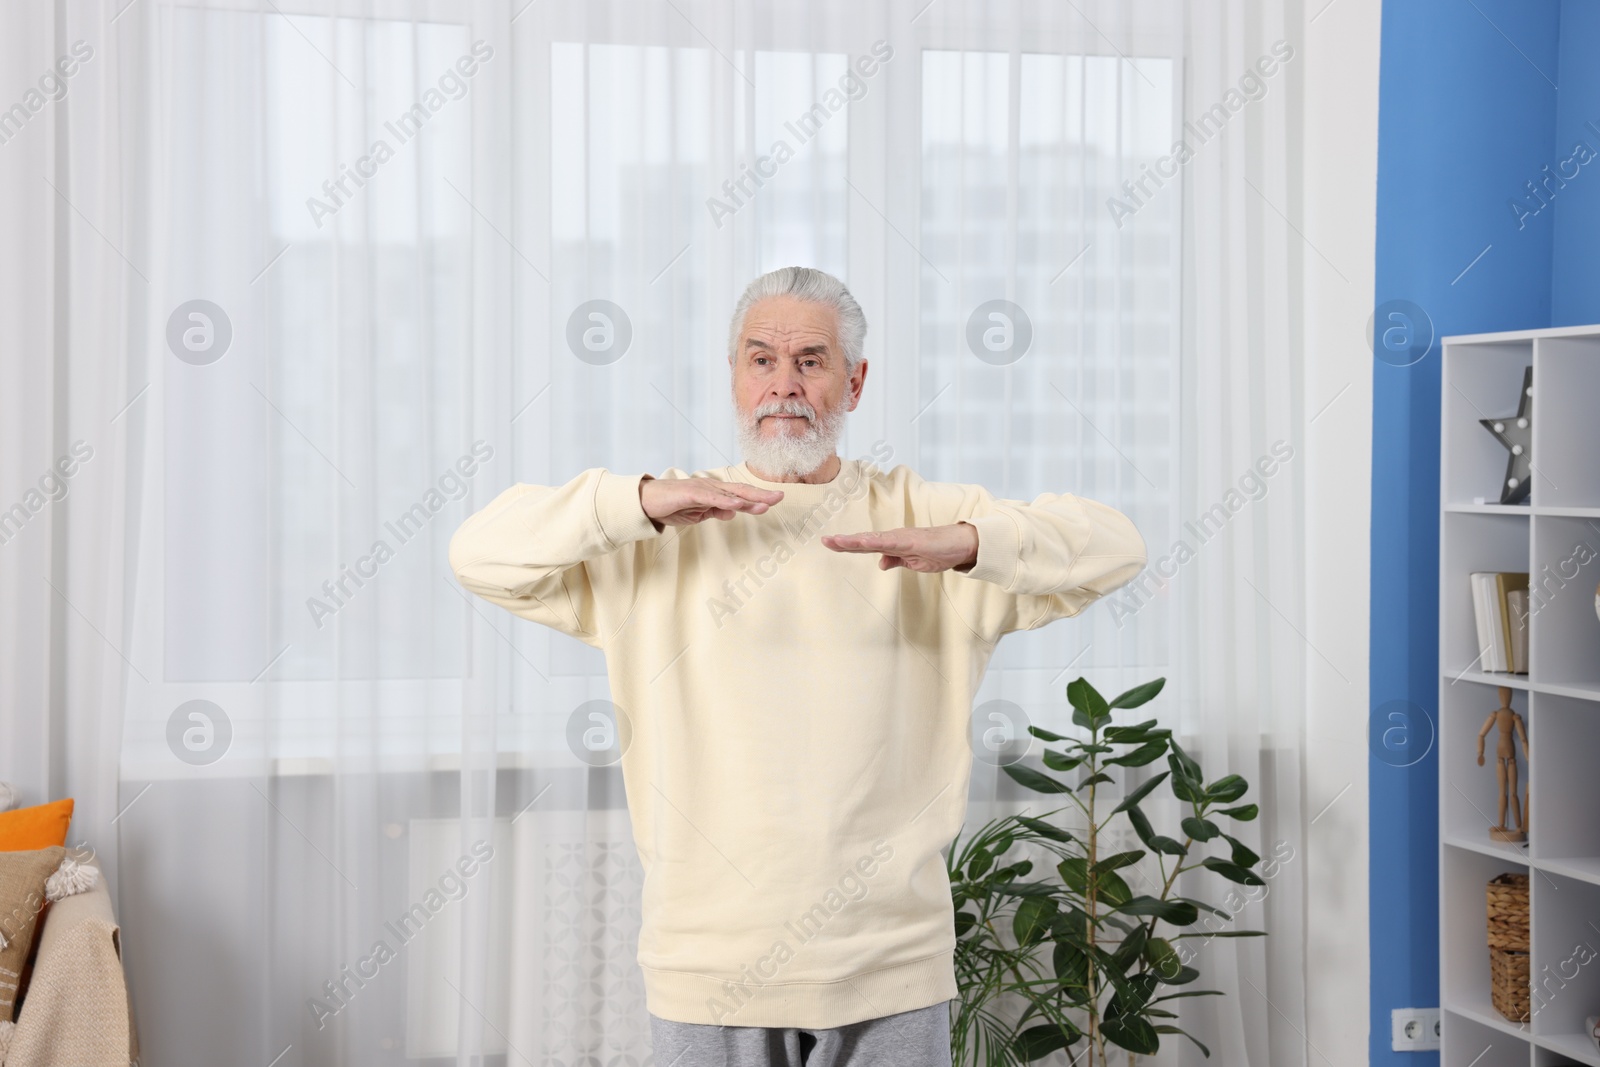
<point>38,827</point>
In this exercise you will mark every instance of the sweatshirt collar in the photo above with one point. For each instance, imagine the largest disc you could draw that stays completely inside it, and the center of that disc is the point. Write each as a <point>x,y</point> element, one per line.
<point>807,491</point>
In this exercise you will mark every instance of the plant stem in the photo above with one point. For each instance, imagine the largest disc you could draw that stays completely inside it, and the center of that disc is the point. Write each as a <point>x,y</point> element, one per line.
<point>1015,973</point>
<point>1091,898</point>
<point>1177,869</point>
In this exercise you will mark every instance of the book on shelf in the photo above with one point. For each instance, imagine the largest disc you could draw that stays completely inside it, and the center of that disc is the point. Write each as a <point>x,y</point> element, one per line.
<point>1500,605</point>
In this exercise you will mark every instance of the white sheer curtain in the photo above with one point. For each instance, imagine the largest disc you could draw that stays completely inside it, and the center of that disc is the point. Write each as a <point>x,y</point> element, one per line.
<point>400,215</point>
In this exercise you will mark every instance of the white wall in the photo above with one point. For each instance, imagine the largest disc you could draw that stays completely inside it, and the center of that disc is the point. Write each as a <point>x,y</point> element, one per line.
<point>1341,167</point>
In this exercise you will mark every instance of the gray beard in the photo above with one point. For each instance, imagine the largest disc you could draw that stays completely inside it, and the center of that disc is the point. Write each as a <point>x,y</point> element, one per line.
<point>791,452</point>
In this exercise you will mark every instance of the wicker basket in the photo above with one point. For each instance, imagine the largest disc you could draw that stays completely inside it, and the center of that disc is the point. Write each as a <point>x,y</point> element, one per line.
<point>1508,983</point>
<point>1508,946</point>
<point>1508,912</point>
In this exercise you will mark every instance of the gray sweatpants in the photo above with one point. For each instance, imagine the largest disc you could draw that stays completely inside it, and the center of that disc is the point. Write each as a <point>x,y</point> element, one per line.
<point>919,1038</point>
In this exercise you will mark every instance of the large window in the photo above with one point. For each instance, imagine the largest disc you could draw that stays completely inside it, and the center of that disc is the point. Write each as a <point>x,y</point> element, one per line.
<point>413,226</point>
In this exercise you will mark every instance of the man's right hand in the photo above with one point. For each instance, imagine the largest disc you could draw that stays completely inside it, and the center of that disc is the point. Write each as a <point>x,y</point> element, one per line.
<point>686,501</point>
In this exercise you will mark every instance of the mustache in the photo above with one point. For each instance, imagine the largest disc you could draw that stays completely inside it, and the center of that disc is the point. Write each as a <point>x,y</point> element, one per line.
<point>785,407</point>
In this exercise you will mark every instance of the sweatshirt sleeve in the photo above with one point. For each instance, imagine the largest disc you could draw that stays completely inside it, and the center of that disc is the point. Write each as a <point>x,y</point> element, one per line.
<point>565,556</point>
<point>1039,561</point>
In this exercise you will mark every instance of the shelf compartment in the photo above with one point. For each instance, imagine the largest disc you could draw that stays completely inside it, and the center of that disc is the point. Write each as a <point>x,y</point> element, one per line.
<point>1566,787</point>
<point>1470,1039</point>
<point>1478,1030</point>
<point>1566,424</point>
<point>1481,381</point>
<point>1566,962</point>
<point>1565,1050</point>
<point>1473,542</point>
<point>1564,641</point>
<point>1469,805</point>
<point>1464,938</point>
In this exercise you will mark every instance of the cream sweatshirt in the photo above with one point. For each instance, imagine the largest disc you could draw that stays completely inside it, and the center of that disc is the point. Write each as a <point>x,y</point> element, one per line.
<point>795,720</point>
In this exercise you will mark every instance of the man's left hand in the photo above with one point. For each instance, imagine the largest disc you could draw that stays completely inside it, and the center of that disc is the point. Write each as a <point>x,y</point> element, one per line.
<point>919,548</point>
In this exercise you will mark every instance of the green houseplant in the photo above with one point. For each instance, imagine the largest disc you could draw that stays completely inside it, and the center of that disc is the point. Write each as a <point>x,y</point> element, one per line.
<point>1081,955</point>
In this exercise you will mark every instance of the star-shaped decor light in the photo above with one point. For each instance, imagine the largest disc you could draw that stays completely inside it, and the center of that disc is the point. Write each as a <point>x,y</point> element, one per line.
<point>1516,433</point>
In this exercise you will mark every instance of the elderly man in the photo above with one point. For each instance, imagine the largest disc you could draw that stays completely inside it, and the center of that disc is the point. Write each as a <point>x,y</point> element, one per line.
<point>796,712</point>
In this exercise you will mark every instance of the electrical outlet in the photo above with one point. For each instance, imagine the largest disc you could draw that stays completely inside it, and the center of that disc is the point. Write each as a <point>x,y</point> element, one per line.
<point>1414,1029</point>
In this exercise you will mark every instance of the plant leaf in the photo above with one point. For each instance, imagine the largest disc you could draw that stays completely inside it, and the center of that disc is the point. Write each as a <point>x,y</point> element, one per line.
<point>1110,886</point>
<point>1037,781</point>
<point>1074,872</point>
<point>1227,790</point>
<point>1025,889</point>
<point>1244,812</point>
<point>1152,840</point>
<point>1187,1034</point>
<point>1139,694</point>
<point>1132,995</point>
<point>1089,708</point>
<point>1162,958</point>
<point>979,863</point>
<point>1132,1033</point>
<point>1132,947</point>
<point>1186,765</point>
<point>1184,787</point>
<point>1045,829</point>
<point>1232,871</point>
<point>1118,861</point>
<point>1094,779</point>
<point>1045,735</point>
<point>1058,762</point>
<point>1242,855</point>
<point>1206,907</point>
<point>1200,829</point>
<point>1132,732</point>
<point>1168,846</point>
<point>1176,912</point>
<point>1140,793</point>
<point>1148,752</point>
<point>1071,965</point>
<point>1032,920</point>
<point>1001,875</point>
<point>1113,890</point>
<point>1141,824</point>
<point>1037,1042</point>
<point>1226,933</point>
<point>965,921</point>
<point>1071,921</point>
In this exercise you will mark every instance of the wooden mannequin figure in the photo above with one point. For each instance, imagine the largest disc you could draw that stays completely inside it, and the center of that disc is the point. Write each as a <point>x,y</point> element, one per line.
<point>1506,766</point>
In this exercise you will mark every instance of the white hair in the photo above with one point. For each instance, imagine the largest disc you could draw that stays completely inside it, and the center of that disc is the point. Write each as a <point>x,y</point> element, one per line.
<point>806,283</point>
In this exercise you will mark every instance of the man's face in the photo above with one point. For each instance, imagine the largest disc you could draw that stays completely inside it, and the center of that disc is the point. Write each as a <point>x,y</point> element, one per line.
<point>789,369</point>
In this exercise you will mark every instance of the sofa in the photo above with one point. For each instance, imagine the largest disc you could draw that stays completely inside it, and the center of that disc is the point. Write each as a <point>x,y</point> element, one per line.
<point>73,1009</point>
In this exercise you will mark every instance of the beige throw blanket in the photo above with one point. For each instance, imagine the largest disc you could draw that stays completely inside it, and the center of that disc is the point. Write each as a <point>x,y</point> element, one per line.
<point>76,1012</point>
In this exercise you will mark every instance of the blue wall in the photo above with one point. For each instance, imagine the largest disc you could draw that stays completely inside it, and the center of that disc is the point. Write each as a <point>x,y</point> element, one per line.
<point>1575,266</point>
<point>1468,113</point>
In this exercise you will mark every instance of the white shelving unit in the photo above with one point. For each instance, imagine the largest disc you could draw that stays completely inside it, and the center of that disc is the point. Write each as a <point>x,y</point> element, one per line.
<point>1556,539</point>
